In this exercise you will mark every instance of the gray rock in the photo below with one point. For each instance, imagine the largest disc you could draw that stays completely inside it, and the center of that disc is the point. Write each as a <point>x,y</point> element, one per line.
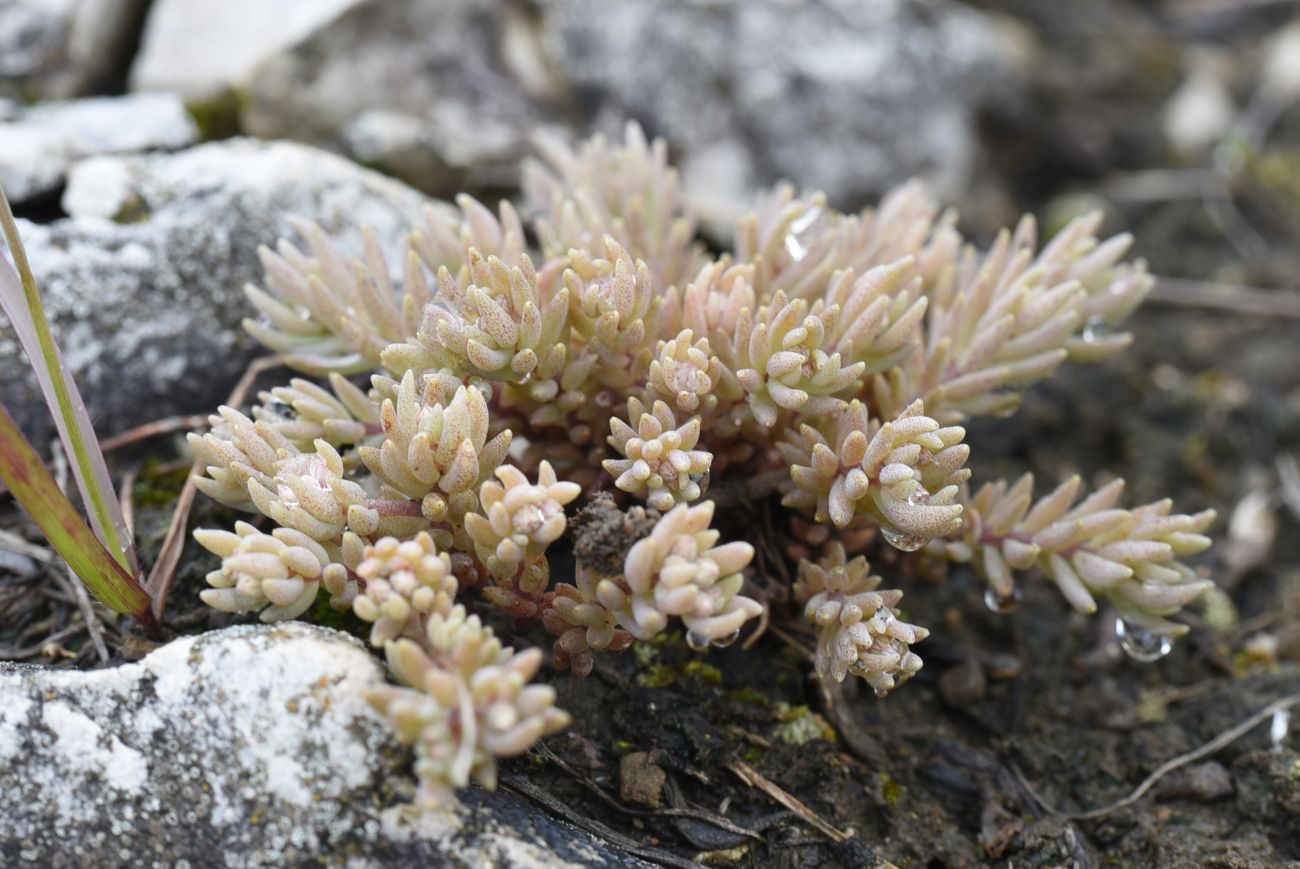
<point>847,96</point>
<point>144,281</point>
<point>39,145</point>
<point>65,48</point>
<point>1203,782</point>
<point>443,94</point>
<point>246,747</point>
<point>201,48</point>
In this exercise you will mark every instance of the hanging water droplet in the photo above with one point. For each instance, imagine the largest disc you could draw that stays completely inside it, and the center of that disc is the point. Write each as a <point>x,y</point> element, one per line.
<point>795,240</point>
<point>697,642</point>
<point>881,692</point>
<point>919,497</point>
<point>723,642</point>
<point>900,540</point>
<point>1141,644</point>
<point>1002,604</point>
<point>1095,328</point>
<point>1278,728</point>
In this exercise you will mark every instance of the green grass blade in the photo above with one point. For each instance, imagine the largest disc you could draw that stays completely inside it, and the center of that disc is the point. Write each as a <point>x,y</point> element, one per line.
<point>21,302</point>
<point>30,482</point>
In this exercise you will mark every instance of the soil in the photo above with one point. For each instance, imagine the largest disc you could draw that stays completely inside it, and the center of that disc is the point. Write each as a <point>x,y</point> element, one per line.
<point>1018,721</point>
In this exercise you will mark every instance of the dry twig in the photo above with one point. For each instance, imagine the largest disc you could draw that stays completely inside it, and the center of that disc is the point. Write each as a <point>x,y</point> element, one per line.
<point>1227,737</point>
<point>755,779</point>
<point>152,429</point>
<point>1226,297</point>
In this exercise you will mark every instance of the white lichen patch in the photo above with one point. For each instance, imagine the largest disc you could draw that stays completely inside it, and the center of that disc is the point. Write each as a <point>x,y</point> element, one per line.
<point>246,747</point>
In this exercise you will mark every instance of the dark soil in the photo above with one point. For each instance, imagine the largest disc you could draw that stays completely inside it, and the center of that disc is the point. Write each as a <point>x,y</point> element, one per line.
<point>1020,720</point>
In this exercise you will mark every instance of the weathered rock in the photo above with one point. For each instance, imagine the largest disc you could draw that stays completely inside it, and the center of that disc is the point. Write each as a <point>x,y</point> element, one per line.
<point>641,779</point>
<point>144,282</point>
<point>1203,782</point>
<point>246,747</point>
<point>441,94</point>
<point>40,144</point>
<point>845,96</point>
<point>65,48</point>
<point>204,47</point>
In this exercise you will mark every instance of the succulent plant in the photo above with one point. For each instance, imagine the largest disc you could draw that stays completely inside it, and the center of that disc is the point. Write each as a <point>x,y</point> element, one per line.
<point>831,359</point>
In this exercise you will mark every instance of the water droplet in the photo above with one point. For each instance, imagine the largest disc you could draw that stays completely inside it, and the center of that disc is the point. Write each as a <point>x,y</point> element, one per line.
<point>723,642</point>
<point>1002,604</point>
<point>697,642</point>
<point>1278,728</point>
<point>1095,328</point>
<point>1141,644</point>
<point>796,239</point>
<point>905,542</point>
<point>881,692</point>
<point>919,497</point>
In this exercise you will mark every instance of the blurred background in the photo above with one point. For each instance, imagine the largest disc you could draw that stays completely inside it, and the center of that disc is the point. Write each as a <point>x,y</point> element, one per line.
<point>152,145</point>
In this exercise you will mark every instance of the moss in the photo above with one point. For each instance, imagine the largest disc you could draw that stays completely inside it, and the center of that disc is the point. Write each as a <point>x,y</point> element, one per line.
<point>644,653</point>
<point>890,790</point>
<point>218,117</point>
<point>748,695</point>
<point>704,672</point>
<point>800,725</point>
<point>158,486</point>
<point>657,676</point>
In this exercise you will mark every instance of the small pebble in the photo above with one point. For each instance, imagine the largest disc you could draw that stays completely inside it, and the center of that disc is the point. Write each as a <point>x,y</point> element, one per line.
<point>640,779</point>
<point>1202,782</point>
<point>1002,665</point>
<point>963,684</point>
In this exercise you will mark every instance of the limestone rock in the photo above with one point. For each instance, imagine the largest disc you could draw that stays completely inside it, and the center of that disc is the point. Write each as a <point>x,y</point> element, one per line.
<point>442,94</point>
<point>201,48</point>
<point>847,96</point>
<point>144,281</point>
<point>65,48</point>
<point>250,746</point>
<point>39,145</point>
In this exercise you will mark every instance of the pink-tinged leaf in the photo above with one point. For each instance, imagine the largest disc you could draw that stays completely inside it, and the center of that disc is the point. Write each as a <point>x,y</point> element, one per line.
<point>34,488</point>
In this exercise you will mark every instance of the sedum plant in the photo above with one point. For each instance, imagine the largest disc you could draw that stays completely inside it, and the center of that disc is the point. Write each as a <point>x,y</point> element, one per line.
<point>473,391</point>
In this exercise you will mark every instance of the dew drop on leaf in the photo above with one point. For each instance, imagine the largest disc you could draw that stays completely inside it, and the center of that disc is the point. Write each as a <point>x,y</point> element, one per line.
<point>697,642</point>
<point>723,642</point>
<point>1141,644</point>
<point>1095,328</point>
<point>905,542</point>
<point>1000,603</point>
<point>796,239</point>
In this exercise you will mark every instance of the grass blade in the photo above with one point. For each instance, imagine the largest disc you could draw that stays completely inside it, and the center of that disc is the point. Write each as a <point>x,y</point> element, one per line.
<point>31,484</point>
<point>21,302</point>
